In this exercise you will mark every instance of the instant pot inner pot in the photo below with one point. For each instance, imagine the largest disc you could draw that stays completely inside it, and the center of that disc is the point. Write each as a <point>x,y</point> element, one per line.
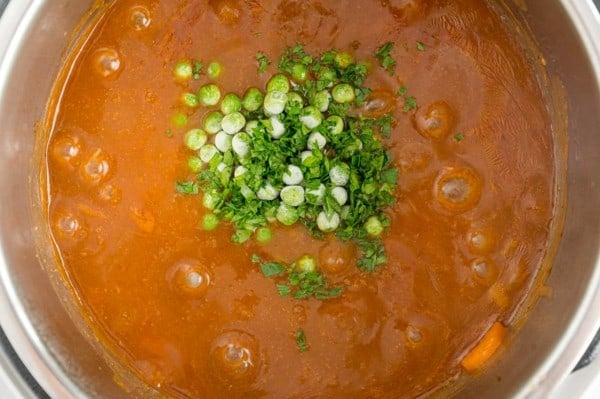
<point>66,365</point>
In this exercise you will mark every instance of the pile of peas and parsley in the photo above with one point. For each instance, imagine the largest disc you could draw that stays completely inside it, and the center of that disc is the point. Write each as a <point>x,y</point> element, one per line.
<point>296,152</point>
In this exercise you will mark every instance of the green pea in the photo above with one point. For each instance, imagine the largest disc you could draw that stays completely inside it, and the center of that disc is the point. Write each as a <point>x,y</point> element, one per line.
<point>214,70</point>
<point>321,100</point>
<point>253,99</point>
<point>299,72</point>
<point>190,100</point>
<point>306,264</point>
<point>195,139</point>
<point>183,70</point>
<point>195,164</point>
<point>179,119</point>
<point>343,93</point>
<point>343,60</point>
<point>210,222</point>
<point>279,83</point>
<point>264,235</point>
<point>231,103</point>
<point>287,215</point>
<point>212,122</point>
<point>373,226</point>
<point>209,95</point>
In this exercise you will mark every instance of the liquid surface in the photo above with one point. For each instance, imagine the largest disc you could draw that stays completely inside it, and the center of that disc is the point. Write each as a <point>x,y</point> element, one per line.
<point>190,312</point>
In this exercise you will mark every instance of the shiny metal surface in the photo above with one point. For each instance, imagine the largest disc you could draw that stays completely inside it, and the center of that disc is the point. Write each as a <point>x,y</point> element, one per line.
<point>34,34</point>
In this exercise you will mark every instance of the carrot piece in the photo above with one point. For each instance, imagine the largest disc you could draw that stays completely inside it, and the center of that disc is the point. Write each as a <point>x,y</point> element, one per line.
<point>486,347</point>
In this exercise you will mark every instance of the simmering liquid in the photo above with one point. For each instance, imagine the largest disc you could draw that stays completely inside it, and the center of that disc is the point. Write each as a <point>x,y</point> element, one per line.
<point>187,309</point>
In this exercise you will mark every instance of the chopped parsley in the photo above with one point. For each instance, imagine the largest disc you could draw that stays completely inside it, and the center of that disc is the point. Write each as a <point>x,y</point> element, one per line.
<point>459,136</point>
<point>169,133</point>
<point>298,283</point>
<point>384,56</point>
<point>196,69</point>
<point>420,46</point>
<point>301,340</point>
<point>410,103</point>
<point>263,62</point>
<point>300,152</point>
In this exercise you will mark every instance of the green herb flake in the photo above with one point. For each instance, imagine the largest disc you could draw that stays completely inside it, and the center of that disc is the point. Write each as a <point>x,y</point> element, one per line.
<point>272,269</point>
<point>459,136</point>
<point>410,103</point>
<point>301,340</point>
<point>284,290</point>
<point>187,187</point>
<point>385,125</point>
<point>420,46</point>
<point>196,69</point>
<point>402,91</point>
<point>169,133</point>
<point>384,57</point>
<point>263,62</point>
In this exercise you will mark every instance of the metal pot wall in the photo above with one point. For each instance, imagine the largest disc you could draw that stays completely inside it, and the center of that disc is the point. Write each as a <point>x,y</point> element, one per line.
<point>33,39</point>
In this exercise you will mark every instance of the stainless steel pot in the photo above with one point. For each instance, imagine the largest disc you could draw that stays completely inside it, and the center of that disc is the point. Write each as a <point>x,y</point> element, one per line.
<point>34,36</point>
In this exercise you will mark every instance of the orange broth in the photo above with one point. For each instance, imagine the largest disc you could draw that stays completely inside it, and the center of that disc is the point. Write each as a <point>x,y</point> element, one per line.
<point>126,238</point>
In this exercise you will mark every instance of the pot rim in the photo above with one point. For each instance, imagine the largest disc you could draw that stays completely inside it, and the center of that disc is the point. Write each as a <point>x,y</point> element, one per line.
<point>46,369</point>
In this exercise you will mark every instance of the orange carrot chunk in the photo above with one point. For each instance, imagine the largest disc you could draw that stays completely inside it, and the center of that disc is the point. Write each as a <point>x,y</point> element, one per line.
<point>485,348</point>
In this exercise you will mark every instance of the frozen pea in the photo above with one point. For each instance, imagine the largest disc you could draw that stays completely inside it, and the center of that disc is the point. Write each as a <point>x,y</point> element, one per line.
<point>340,195</point>
<point>233,122</point>
<point>293,175</point>
<point>241,144</point>
<point>278,82</point>
<point>195,139</point>
<point>275,102</point>
<point>328,222</point>
<point>207,152</point>
<point>253,99</point>
<point>299,72</point>
<point>343,60</point>
<point>190,100</point>
<point>339,174</point>
<point>343,93</point>
<point>183,70</point>
<point>212,122</point>
<point>373,226</point>
<point>214,70</point>
<point>321,100</point>
<point>223,141</point>
<point>306,264</point>
<point>195,164</point>
<point>292,195</point>
<point>231,103</point>
<point>180,119</point>
<point>311,117</point>
<point>316,140</point>
<point>286,214</point>
<point>209,95</point>
<point>264,235</point>
<point>267,192</point>
<point>210,221</point>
